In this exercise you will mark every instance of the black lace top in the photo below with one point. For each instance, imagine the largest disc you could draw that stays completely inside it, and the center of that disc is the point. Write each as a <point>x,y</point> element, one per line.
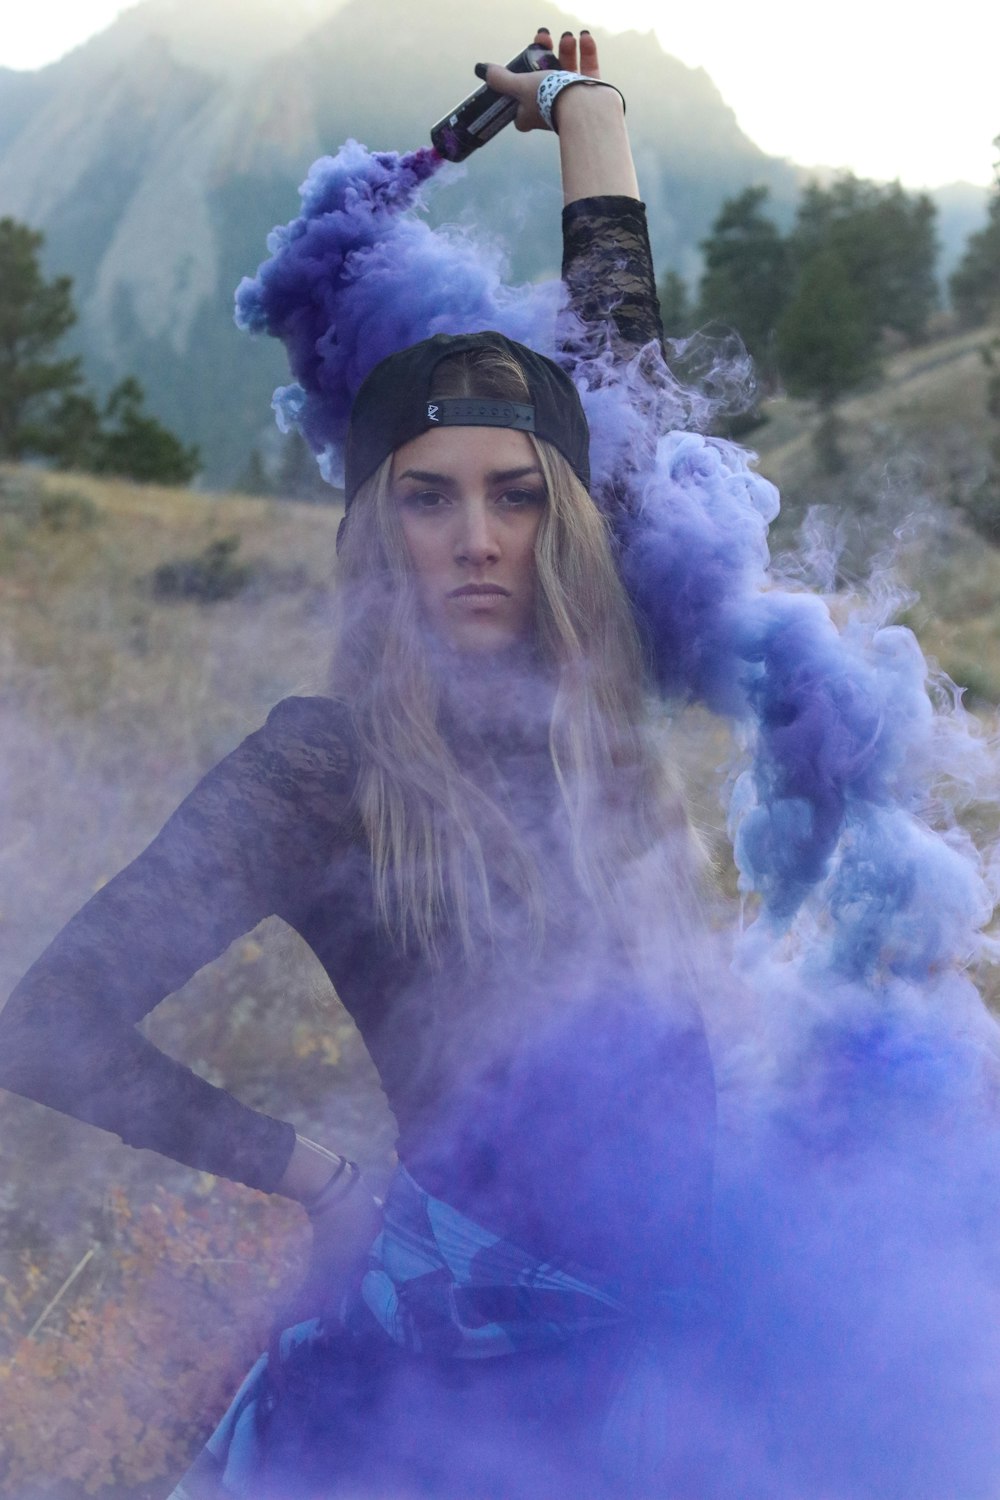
<point>608,269</point>
<point>476,1062</point>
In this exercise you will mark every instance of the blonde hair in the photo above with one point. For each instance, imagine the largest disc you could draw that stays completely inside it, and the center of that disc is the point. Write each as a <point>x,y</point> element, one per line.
<point>440,844</point>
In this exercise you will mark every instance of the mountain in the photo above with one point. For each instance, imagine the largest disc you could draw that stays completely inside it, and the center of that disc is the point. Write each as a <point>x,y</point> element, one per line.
<point>221,37</point>
<point>157,156</point>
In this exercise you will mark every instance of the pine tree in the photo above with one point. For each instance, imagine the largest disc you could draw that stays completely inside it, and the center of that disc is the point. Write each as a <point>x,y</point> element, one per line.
<point>298,476</point>
<point>746,279</point>
<point>34,316</point>
<point>45,408</point>
<point>826,345</point>
<point>676,309</point>
<point>885,240</point>
<point>255,479</point>
<point>136,446</point>
<point>975,284</point>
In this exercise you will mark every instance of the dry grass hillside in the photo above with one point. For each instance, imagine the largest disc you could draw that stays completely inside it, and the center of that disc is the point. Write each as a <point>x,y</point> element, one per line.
<point>915,447</point>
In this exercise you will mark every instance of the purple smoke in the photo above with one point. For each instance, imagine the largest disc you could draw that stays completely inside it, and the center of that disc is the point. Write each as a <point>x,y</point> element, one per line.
<point>355,277</point>
<point>859,1193</point>
<point>841,719</point>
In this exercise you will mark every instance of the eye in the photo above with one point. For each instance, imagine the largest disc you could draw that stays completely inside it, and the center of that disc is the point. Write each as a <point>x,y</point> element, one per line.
<point>522,499</point>
<point>423,500</point>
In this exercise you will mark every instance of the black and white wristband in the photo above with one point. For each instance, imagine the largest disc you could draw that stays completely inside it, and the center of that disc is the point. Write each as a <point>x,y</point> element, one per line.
<point>555,81</point>
<point>342,1179</point>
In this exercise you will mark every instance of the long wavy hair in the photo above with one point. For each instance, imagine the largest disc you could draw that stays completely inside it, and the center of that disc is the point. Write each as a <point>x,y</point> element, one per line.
<point>442,848</point>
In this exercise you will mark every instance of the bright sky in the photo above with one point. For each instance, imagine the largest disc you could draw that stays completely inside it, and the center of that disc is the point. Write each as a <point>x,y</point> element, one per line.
<point>885,88</point>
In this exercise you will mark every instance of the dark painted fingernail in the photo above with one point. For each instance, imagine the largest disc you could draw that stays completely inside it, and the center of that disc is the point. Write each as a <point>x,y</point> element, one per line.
<point>565,35</point>
<point>584,33</point>
<point>480,70</point>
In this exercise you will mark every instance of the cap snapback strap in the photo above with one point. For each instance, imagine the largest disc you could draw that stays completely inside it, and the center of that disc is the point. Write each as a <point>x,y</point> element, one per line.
<point>476,411</point>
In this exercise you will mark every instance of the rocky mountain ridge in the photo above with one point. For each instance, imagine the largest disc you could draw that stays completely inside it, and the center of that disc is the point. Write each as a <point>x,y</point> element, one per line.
<point>156,157</point>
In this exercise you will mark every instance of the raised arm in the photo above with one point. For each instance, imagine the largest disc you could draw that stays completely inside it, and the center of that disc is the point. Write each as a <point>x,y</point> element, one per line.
<point>607,265</point>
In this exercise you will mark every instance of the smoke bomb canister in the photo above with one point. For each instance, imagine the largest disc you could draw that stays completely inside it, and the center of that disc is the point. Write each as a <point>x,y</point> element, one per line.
<point>483,114</point>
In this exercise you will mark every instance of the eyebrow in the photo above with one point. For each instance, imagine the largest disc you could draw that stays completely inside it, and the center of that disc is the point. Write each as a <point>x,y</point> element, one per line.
<point>495,476</point>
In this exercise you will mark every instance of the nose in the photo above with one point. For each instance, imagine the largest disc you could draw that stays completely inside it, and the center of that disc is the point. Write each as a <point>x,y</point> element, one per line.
<point>476,541</point>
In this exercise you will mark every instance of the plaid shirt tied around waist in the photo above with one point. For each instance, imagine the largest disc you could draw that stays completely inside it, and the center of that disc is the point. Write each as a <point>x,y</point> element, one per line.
<point>441,1285</point>
<point>437,1282</point>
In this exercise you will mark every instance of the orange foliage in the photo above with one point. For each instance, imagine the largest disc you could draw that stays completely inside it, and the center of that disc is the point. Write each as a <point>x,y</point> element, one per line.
<point>132,1370</point>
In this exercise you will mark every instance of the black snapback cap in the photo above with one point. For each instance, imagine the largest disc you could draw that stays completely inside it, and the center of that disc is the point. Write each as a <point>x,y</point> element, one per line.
<point>394,405</point>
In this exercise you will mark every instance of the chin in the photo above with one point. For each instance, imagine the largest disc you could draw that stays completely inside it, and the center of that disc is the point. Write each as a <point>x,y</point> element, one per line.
<point>483,641</point>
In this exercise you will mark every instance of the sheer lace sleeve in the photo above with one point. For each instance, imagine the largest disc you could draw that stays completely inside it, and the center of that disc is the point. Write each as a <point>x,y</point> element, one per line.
<point>248,842</point>
<point>612,306</point>
<point>608,269</point>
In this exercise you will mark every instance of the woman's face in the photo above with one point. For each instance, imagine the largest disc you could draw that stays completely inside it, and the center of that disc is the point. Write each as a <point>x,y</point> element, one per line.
<point>470,503</point>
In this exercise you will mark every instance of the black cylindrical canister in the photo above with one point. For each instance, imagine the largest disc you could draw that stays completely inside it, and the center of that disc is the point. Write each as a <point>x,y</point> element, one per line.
<point>479,117</point>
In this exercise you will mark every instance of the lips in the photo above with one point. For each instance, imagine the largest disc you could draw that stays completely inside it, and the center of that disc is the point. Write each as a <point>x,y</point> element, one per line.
<point>480,591</point>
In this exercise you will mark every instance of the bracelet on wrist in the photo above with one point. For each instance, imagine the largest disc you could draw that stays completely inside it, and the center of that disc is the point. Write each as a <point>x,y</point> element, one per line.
<point>342,1179</point>
<point>552,85</point>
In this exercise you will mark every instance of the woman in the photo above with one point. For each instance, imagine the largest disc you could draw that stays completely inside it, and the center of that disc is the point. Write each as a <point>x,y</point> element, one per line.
<point>475,834</point>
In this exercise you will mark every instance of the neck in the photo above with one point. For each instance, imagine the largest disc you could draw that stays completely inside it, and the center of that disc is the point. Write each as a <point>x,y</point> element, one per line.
<point>495,692</point>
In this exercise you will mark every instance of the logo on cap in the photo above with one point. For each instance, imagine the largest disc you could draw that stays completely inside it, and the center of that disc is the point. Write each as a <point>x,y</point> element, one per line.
<point>432,412</point>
